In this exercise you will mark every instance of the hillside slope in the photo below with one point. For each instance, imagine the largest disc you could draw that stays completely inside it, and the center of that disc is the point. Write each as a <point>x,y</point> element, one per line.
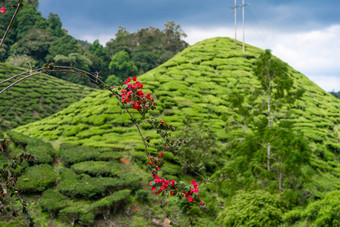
<point>196,83</point>
<point>35,98</point>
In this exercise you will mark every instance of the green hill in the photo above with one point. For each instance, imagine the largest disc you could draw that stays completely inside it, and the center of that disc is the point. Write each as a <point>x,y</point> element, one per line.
<point>194,86</point>
<point>196,83</point>
<point>35,98</point>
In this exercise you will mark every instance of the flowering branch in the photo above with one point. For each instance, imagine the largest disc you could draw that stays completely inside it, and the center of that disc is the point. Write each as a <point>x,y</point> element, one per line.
<point>3,10</point>
<point>142,102</point>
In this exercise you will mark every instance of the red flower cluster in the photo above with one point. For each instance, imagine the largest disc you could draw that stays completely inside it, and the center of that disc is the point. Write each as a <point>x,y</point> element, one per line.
<point>158,185</point>
<point>3,10</point>
<point>189,196</point>
<point>195,190</point>
<point>136,97</point>
<point>161,184</point>
<point>156,162</point>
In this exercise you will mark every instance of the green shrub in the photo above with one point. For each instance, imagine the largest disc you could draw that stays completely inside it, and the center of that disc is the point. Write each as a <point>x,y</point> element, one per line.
<point>110,156</point>
<point>71,154</point>
<point>293,216</point>
<point>98,168</point>
<point>86,187</point>
<point>257,208</point>
<point>171,169</point>
<point>52,201</point>
<point>142,195</point>
<point>42,151</point>
<point>72,214</point>
<point>130,180</point>
<point>37,178</point>
<point>140,158</point>
<point>87,219</point>
<point>110,204</point>
<point>324,212</point>
<point>80,186</point>
<point>19,138</point>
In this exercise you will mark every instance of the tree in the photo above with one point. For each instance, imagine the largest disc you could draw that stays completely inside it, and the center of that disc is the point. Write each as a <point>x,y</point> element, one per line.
<point>28,19</point>
<point>54,25</point>
<point>74,60</point>
<point>113,80</point>
<point>199,155</point>
<point>97,49</point>
<point>148,47</point>
<point>63,46</point>
<point>122,66</point>
<point>35,44</point>
<point>275,82</point>
<point>173,34</point>
<point>267,148</point>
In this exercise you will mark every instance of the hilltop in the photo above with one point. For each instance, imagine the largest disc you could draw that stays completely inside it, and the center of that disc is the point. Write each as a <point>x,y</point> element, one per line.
<point>35,98</point>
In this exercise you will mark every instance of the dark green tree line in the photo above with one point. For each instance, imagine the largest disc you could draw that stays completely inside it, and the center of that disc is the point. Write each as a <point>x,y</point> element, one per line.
<point>35,41</point>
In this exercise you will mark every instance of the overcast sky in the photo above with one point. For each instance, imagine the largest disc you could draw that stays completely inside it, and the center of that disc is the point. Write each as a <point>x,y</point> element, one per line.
<point>305,34</point>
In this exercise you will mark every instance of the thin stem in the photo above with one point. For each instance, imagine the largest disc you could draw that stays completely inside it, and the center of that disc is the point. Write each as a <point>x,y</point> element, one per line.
<point>198,174</point>
<point>11,22</point>
<point>21,74</point>
<point>14,83</point>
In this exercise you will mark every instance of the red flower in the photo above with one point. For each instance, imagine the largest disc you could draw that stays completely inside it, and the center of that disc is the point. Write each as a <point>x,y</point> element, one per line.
<point>134,78</point>
<point>3,10</point>
<point>127,81</point>
<point>172,193</point>
<point>201,203</point>
<point>160,155</point>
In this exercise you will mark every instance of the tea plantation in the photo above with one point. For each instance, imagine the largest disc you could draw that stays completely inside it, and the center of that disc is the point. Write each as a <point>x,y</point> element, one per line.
<point>92,138</point>
<point>35,98</point>
<point>78,190</point>
<point>195,84</point>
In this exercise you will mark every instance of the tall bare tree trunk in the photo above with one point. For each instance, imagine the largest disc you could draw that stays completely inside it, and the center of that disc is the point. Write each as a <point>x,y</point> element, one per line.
<point>280,180</point>
<point>269,126</point>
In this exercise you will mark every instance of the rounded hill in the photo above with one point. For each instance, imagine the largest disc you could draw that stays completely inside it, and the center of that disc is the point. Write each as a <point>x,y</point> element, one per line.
<point>194,86</point>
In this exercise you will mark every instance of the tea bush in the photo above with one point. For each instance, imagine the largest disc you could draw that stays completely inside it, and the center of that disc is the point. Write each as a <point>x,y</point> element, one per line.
<point>71,154</point>
<point>37,178</point>
<point>42,151</point>
<point>98,168</point>
<point>257,208</point>
<point>52,201</point>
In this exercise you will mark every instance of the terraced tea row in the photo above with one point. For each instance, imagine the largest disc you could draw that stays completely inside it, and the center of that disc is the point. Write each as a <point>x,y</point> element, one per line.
<point>35,98</point>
